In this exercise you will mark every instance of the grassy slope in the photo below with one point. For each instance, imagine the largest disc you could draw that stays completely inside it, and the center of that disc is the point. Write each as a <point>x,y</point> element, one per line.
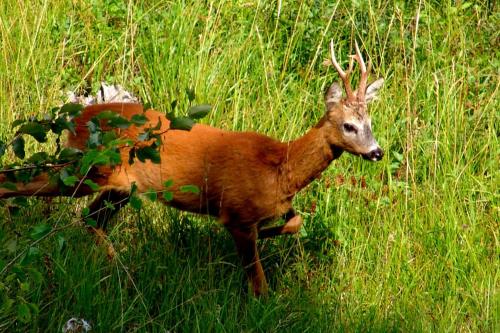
<point>415,249</point>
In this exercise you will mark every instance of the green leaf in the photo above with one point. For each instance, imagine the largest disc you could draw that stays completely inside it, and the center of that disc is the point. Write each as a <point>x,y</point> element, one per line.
<point>17,122</point>
<point>65,172</point>
<point>168,183</point>
<point>61,124</point>
<point>168,196</point>
<point>69,180</point>
<point>139,119</point>
<point>182,123</point>
<point>170,115</point>
<point>36,130</point>
<point>94,139</point>
<point>72,109</point>
<point>113,119</point>
<point>135,202</point>
<point>106,115</point>
<point>93,157</point>
<point>199,111</point>
<point>93,125</point>
<point>40,231</point>
<point>69,154</point>
<point>9,185</point>
<point>38,158</point>
<point>108,136</point>
<point>112,157</point>
<point>93,186</point>
<point>190,189</point>
<point>148,153</point>
<point>91,222</point>
<point>144,136</point>
<point>23,313</point>
<point>88,160</point>
<point>18,147</point>
<point>151,195</point>
<point>119,122</point>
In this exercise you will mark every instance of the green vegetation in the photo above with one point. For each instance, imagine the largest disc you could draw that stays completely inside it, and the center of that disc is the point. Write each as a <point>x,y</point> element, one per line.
<point>411,243</point>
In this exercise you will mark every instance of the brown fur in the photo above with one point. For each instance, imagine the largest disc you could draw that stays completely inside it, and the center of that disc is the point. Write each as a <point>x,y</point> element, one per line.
<point>247,177</point>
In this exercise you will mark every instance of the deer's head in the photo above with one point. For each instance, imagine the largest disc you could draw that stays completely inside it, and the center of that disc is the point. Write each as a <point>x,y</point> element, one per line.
<point>348,116</point>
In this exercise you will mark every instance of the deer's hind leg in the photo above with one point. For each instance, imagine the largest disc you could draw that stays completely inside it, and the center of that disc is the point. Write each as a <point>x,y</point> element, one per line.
<point>106,205</point>
<point>102,209</point>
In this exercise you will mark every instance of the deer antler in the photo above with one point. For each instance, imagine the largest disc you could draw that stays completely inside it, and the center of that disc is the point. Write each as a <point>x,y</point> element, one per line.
<point>364,74</point>
<point>360,92</point>
<point>343,75</point>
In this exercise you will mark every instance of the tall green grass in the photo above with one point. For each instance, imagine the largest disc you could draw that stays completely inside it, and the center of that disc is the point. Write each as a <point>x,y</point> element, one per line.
<point>407,244</point>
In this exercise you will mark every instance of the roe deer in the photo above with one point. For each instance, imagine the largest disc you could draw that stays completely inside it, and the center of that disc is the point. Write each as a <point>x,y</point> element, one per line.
<point>245,179</point>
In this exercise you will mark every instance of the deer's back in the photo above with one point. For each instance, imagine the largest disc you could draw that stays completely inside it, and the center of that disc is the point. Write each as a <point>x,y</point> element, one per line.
<point>238,173</point>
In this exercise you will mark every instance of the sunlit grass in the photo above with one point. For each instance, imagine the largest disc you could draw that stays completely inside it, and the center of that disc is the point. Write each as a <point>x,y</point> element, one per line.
<point>407,244</point>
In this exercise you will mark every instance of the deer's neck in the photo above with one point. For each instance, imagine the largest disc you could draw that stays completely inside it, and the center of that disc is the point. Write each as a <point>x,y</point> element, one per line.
<point>307,157</point>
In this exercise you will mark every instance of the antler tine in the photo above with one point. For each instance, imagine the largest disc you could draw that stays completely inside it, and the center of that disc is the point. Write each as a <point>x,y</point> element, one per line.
<point>364,74</point>
<point>334,61</point>
<point>343,75</point>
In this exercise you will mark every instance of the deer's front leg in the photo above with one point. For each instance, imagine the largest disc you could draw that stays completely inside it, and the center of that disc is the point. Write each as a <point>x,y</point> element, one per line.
<point>292,225</point>
<point>245,239</point>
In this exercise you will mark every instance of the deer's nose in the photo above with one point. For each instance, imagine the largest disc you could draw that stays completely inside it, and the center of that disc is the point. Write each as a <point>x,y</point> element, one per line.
<point>375,155</point>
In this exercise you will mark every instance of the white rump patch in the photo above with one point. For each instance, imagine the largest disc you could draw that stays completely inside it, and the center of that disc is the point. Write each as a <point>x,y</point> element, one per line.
<point>107,94</point>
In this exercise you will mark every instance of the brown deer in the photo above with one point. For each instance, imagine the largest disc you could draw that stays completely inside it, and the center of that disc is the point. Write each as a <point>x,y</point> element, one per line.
<point>245,179</point>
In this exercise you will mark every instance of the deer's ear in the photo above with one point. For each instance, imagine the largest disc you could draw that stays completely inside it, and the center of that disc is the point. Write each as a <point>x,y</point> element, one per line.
<point>333,95</point>
<point>372,90</point>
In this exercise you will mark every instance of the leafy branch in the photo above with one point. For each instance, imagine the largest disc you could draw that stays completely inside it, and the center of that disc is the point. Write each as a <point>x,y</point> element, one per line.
<point>70,168</point>
<point>68,165</point>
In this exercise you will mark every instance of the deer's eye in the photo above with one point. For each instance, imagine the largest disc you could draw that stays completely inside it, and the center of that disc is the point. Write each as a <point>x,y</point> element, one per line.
<point>350,128</point>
